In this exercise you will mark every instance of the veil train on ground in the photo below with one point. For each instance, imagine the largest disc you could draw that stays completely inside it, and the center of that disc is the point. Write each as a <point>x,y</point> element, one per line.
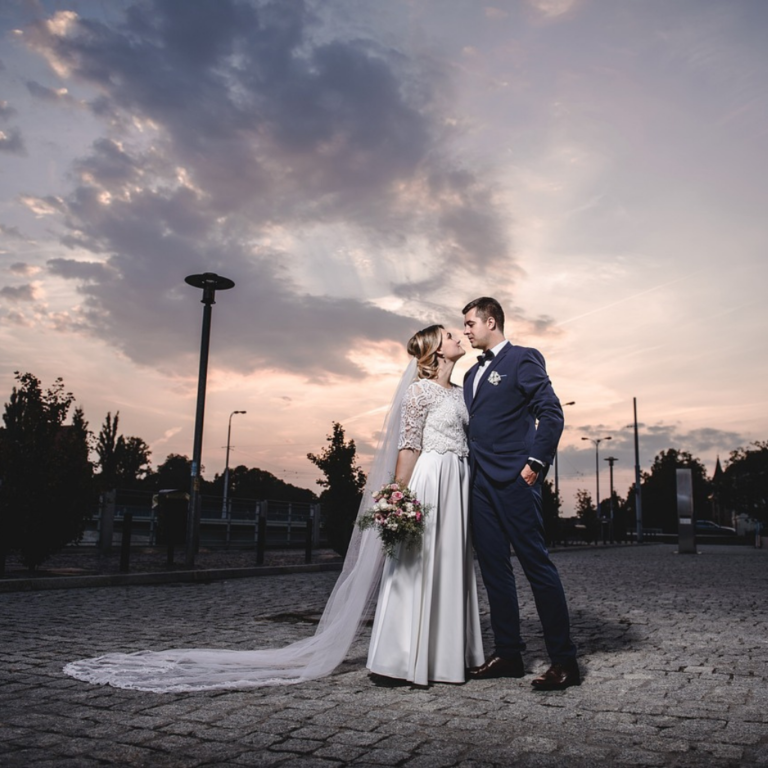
<point>200,669</point>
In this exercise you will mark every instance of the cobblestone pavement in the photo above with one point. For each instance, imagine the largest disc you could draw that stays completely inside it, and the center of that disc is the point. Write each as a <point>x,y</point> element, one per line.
<point>674,650</point>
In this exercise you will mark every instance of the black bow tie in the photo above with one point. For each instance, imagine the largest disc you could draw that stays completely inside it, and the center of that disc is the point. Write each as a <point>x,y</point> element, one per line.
<point>485,357</point>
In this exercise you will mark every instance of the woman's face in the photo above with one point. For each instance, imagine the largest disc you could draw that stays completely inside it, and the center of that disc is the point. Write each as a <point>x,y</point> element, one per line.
<point>451,346</point>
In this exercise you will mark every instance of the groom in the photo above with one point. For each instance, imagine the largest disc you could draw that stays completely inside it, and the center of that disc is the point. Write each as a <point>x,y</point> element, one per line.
<point>507,392</point>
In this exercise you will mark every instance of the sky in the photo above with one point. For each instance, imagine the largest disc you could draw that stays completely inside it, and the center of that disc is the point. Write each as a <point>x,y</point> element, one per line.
<point>361,170</point>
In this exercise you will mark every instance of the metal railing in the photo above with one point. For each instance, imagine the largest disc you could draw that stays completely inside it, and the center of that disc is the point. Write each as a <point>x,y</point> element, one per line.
<point>282,524</point>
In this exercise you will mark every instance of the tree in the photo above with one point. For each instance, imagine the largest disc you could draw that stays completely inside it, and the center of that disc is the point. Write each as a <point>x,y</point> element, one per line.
<point>174,473</point>
<point>123,461</point>
<point>587,514</point>
<point>106,450</point>
<point>744,485</point>
<point>621,516</point>
<point>259,484</point>
<point>550,511</point>
<point>46,492</point>
<point>344,482</point>
<point>659,489</point>
<point>132,461</point>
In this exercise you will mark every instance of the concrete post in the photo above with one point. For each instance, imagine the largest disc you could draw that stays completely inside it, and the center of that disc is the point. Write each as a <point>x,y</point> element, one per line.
<point>686,535</point>
<point>106,521</point>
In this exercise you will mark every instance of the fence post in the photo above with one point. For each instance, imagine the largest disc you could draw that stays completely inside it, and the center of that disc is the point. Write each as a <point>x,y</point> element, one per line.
<point>125,543</point>
<point>290,514</point>
<point>229,523</point>
<point>316,509</point>
<point>309,532</point>
<point>261,541</point>
<point>106,521</point>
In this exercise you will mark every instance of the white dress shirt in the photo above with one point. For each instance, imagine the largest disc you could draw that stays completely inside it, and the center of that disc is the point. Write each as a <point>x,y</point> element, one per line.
<point>481,369</point>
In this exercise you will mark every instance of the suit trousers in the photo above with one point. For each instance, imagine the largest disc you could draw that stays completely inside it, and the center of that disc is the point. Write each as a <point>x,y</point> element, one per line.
<point>505,514</point>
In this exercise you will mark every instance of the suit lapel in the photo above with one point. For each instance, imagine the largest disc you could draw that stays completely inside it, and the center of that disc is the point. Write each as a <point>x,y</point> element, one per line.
<point>468,379</point>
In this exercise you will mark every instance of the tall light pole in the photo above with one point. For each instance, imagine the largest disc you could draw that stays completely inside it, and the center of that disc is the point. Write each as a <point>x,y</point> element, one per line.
<point>611,460</point>
<point>638,492</point>
<point>638,495</point>
<point>557,471</point>
<point>224,505</point>
<point>210,283</point>
<point>597,442</point>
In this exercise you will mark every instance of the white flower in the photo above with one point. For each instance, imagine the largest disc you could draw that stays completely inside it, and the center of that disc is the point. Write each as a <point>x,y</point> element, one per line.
<point>494,378</point>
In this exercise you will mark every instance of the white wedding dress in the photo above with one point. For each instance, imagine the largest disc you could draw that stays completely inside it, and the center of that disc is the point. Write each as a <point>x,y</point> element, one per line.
<point>440,479</point>
<point>427,625</point>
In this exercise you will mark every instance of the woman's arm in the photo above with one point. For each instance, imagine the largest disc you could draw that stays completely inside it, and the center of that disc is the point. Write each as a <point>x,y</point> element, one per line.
<point>406,461</point>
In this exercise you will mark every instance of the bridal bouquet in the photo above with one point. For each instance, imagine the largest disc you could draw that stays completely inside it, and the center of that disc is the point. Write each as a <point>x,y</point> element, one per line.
<point>397,516</point>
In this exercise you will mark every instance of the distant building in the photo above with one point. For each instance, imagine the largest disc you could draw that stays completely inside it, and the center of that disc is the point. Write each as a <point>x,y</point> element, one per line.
<point>719,513</point>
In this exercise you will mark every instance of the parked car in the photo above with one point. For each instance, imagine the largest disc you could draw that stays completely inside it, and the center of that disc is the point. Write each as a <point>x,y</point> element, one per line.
<point>707,526</point>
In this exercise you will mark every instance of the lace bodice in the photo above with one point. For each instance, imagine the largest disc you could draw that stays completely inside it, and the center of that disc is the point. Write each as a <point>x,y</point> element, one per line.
<point>434,418</point>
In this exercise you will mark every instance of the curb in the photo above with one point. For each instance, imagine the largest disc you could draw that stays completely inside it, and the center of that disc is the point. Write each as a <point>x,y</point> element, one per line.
<point>173,577</point>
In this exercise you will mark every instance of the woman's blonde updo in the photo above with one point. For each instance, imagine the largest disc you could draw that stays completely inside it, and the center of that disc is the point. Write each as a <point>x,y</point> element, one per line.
<point>424,346</point>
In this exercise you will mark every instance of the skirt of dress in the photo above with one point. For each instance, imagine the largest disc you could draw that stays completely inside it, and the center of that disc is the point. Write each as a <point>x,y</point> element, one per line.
<point>427,624</point>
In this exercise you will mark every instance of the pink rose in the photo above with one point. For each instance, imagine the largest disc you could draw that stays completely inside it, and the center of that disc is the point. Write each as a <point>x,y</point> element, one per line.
<point>397,496</point>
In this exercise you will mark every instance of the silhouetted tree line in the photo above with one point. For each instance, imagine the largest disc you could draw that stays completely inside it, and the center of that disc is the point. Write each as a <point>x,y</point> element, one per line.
<point>49,486</point>
<point>741,488</point>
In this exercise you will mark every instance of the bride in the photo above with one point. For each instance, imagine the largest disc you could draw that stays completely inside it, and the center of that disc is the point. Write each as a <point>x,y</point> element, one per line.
<point>426,626</point>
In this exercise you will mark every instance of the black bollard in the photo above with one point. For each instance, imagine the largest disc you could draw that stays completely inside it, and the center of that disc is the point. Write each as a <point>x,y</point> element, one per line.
<point>125,543</point>
<point>169,551</point>
<point>261,541</point>
<point>308,538</point>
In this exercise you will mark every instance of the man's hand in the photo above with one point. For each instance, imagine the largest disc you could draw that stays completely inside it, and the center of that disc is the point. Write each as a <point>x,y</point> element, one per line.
<point>529,475</point>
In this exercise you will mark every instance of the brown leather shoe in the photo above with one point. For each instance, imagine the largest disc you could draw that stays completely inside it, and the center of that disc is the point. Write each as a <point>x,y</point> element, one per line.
<point>558,677</point>
<point>496,666</point>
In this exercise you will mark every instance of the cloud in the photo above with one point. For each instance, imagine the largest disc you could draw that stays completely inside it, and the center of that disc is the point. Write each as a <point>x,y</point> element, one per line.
<point>23,270</point>
<point>552,9</point>
<point>12,142</point>
<point>42,206</point>
<point>17,293</point>
<point>6,111</point>
<point>235,122</point>
<point>55,95</point>
<point>11,232</point>
<point>653,439</point>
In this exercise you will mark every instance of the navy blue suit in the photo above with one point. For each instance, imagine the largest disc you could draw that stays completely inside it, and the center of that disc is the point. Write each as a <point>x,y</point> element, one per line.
<point>513,395</point>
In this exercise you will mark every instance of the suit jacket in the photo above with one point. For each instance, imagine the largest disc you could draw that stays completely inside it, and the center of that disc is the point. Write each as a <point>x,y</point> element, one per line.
<point>514,393</point>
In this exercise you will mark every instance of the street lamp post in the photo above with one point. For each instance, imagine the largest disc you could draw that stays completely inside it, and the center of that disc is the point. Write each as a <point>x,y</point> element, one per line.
<point>557,467</point>
<point>638,496</point>
<point>611,460</point>
<point>225,501</point>
<point>597,442</point>
<point>210,283</point>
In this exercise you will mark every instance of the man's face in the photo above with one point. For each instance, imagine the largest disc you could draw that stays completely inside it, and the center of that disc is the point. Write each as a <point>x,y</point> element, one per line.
<point>477,330</point>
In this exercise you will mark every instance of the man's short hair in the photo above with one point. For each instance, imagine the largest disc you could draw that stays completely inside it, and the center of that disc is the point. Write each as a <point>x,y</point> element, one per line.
<point>487,307</point>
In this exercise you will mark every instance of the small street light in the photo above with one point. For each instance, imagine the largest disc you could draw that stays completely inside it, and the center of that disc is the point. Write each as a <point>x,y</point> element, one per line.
<point>597,442</point>
<point>611,460</point>
<point>225,502</point>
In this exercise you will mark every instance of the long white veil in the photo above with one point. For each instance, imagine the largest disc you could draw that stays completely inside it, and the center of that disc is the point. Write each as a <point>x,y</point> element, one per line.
<point>199,669</point>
